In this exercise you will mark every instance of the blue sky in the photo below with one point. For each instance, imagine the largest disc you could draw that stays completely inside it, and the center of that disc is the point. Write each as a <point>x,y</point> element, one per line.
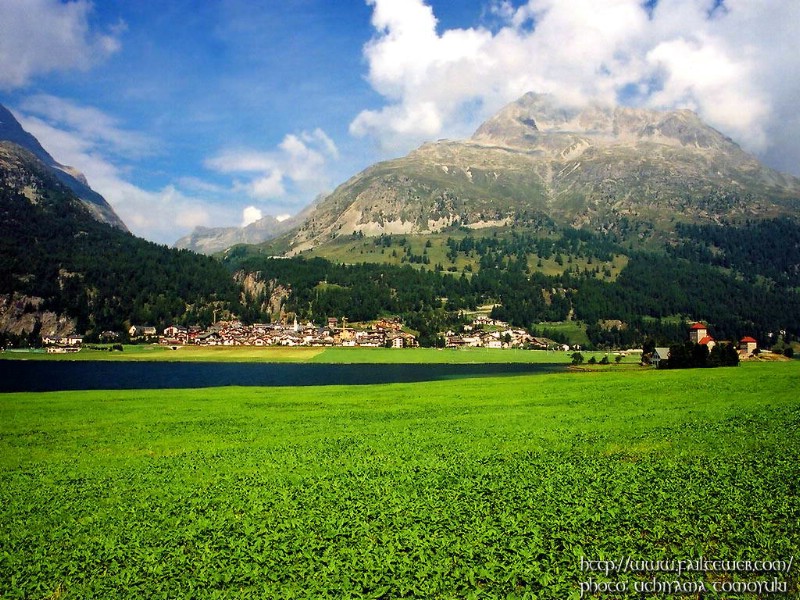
<point>188,113</point>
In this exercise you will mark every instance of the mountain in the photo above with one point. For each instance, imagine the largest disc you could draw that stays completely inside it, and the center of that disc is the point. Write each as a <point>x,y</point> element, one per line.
<point>12,131</point>
<point>209,240</point>
<point>602,168</point>
<point>595,225</point>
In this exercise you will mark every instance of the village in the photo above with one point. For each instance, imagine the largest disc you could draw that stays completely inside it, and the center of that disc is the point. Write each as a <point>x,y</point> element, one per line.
<point>481,332</point>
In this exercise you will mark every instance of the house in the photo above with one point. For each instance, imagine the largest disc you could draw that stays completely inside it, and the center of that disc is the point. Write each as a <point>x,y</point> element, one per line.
<point>659,354</point>
<point>174,331</point>
<point>708,341</point>
<point>748,345</point>
<point>209,338</point>
<point>63,349</point>
<point>538,343</point>
<point>60,345</point>
<point>697,332</point>
<point>73,340</point>
<point>52,340</point>
<point>388,324</point>
<point>455,341</point>
<point>140,331</point>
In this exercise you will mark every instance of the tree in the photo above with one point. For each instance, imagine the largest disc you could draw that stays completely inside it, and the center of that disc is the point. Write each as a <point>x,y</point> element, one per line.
<point>699,355</point>
<point>577,358</point>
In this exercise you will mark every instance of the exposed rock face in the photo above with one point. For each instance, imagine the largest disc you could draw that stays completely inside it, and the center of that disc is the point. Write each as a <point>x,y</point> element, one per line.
<point>595,166</point>
<point>269,295</point>
<point>12,131</point>
<point>22,315</point>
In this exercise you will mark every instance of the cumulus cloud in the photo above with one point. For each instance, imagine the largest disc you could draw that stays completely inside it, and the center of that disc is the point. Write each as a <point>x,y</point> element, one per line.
<point>42,36</point>
<point>735,62</point>
<point>251,214</point>
<point>296,166</point>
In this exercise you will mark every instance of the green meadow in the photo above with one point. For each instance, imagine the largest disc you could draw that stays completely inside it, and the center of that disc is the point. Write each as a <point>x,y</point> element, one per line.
<point>475,488</point>
<point>277,354</point>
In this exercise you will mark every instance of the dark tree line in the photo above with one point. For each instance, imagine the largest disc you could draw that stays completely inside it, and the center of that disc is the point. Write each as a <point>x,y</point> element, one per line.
<point>101,276</point>
<point>768,248</point>
<point>693,356</point>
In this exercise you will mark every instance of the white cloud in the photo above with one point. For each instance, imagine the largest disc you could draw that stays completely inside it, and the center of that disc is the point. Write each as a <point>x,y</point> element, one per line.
<point>268,186</point>
<point>90,125</point>
<point>251,214</point>
<point>161,215</point>
<point>737,65</point>
<point>42,36</point>
<point>87,139</point>
<point>298,165</point>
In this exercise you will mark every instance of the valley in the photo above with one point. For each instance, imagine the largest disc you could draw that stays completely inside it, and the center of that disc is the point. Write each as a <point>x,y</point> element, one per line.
<point>599,226</point>
<point>400,299</point>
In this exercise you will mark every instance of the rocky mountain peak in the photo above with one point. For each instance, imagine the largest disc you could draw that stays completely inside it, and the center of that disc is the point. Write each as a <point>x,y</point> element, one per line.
<point>593,166</point>
<point>11,131</point>
<point>536,121</point>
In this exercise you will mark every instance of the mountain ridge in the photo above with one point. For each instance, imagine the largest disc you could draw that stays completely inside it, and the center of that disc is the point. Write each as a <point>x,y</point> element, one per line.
<point>595,166</point>
<point>209,240</point>
<point>12,131</point>
<point>63,270</point>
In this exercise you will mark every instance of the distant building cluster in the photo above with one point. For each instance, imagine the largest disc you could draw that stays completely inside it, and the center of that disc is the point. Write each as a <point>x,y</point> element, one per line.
<point>62,344</point>
<point>485,332</point>
<point>385,333</point>
<point>747,347</point>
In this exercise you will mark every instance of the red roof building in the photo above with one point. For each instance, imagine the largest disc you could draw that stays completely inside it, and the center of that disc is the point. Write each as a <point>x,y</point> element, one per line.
<point>697,332</point>
<point>748,345</point>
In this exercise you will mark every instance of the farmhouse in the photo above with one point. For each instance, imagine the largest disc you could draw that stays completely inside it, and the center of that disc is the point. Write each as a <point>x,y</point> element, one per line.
<point>748,345</point>
<point>698,334</point>
<point>658,355</point>
<point>60,345</point>
<point>141,331</point>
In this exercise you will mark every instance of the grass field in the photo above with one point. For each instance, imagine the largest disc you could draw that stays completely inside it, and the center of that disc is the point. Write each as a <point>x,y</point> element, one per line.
<point>477,488</point>
<point>308,354</point>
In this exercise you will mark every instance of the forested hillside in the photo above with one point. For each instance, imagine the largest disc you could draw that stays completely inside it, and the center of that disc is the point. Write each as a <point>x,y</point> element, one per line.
<point>723,280</point>
<point>52,248</point>
<point>741,280</point>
